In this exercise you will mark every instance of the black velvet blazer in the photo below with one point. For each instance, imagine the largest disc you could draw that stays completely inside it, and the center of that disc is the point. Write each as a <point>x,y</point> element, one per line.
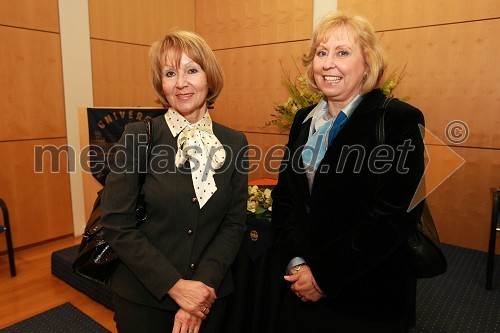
<point>178,239</point>
<point>351,227</point>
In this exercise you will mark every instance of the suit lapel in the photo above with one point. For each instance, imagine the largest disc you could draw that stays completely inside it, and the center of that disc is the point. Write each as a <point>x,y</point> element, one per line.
<point>359,121</point>
<point>300,143</point>
<point>369,104</point>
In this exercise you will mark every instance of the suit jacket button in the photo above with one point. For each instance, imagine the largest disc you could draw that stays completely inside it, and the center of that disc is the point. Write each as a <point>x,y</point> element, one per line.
<point>308,209</point>
<point>194,200</point>
<point>192,266</point>
<point>190,232</point>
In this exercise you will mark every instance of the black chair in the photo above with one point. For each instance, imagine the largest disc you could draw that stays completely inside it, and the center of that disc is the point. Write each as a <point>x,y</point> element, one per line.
<point>494,228</point>
<point>6,228</point>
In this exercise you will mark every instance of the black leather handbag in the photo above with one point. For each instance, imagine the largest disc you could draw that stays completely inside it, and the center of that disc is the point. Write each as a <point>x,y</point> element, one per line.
<point>95,259</point>
<point>423,247</point>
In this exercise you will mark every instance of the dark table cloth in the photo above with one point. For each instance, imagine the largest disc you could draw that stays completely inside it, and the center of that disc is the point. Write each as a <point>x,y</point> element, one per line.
<point>254,306</point>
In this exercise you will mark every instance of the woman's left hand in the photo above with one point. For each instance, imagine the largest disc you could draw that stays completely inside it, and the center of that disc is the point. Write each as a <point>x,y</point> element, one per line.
<point>184,322</point>
<point>194,297</point>
<point>304,285</point>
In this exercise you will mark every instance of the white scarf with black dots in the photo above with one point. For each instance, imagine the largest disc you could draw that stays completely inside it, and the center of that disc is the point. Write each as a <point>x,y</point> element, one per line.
<point>197,144</point>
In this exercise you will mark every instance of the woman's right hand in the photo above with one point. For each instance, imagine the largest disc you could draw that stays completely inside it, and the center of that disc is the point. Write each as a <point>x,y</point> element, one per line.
<point>194,297</point>
<point>304,285</point>
<point>185,322</point>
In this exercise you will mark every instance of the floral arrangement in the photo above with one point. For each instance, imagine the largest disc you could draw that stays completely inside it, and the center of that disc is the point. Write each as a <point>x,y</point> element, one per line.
<point>259,202</point>
<point>301,96</point>
<point>392,82</point>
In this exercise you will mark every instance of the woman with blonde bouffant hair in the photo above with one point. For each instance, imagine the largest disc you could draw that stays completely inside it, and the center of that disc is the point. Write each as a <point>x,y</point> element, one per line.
<point>341,208</point>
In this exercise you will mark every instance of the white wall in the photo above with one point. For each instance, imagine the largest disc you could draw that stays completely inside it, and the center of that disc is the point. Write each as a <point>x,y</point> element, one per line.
<point>77,80</point>
<point>321,7</point>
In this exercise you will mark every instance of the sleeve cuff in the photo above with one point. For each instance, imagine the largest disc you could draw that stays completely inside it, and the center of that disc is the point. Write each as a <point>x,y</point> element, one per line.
<point>294,262</point>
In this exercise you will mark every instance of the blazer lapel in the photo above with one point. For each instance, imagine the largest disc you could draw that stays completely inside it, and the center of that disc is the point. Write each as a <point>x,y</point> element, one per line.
<point>301,176</point>
<point>360,120</point>
<point>369,104</point>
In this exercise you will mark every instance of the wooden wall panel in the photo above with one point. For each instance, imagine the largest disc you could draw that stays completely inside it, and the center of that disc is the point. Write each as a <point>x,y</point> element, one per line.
<point>120,75</point>
<point>398,14</point>
<point>461,205</point>
<point>31,14</point>
<point>451,74</point>
<point>450,51</point>
<point>255,40</point>
<point>32,101</point>
<point>39,203</point>
<point>228,24</point>
<point>121,32</point>
<point>253,83</point>
<point>266,154</point>
<point>139,22</point>
<point>31,85</point>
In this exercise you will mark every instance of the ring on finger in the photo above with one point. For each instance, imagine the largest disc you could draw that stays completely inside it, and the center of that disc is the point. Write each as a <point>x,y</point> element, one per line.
<point>190,330</point>
<point>298,295</point>
<point>205,310</point>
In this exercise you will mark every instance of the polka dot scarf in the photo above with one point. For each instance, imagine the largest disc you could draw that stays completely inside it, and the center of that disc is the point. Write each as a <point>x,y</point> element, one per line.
<point>197,144</point>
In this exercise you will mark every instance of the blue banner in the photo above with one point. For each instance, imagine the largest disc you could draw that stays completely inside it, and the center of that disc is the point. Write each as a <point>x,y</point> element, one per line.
<point>106,126</point>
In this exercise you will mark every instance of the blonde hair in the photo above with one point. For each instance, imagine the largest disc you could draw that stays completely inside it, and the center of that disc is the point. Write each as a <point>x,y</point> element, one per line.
<point>170,49</point>
<point>364,35</point>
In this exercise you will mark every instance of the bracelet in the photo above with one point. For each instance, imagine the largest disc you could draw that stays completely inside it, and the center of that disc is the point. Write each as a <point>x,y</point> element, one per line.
<point>294,262</point>
<point>296,268</point>
<point>316,287</point>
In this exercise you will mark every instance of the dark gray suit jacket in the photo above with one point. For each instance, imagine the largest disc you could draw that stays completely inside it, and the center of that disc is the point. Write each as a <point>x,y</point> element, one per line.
<point>178,239</point>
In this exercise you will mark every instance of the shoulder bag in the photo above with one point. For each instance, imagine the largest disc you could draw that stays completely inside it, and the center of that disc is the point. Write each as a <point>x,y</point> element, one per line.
<point>423,247</point>
<point>95,259</point>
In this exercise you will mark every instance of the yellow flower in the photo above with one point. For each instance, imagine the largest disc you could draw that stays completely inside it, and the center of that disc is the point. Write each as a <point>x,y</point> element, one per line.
<point>259,202</point>
<point>252,189</point>
<point>251,205</point>
<point>301,96</point>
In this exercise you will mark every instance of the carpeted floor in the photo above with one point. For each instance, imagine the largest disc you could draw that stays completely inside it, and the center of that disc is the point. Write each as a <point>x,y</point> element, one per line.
<point>457,301</point>
<point>62,319</point>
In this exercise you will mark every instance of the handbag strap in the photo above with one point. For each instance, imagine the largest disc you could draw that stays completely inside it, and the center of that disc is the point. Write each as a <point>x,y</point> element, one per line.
<point>148,122</point>
<point>426,223</point>
<point>380,126</point>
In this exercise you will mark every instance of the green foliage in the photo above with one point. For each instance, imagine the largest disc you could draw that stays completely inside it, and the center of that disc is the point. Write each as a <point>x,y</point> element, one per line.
<point>301,96</point>
<point>392,82</point>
